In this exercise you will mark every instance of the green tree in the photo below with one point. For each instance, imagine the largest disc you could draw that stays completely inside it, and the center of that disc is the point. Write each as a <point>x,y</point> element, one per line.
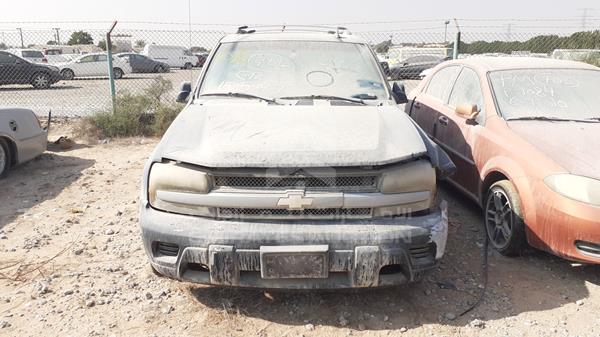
<point>51,43</point>
<point>140,44</point>
<point>102,45</point>
<point>383,47</point>
<point>80,37</point>
<point>3,46</point>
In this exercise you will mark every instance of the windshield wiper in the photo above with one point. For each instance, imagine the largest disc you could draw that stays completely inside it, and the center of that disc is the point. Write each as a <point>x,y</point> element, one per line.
<point>553,119</point>
<point>325,97</point>
<point>240,95</point>
<point>365,96</point>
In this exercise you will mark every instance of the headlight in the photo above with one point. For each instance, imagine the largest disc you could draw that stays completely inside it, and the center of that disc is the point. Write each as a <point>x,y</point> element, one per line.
<point>574,187</point>
<point>417,176</point>
<point>174,177</point>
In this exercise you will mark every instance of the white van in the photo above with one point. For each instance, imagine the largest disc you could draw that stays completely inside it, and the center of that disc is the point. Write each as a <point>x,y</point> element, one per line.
<point>31,55</point>
<point>174,56</point>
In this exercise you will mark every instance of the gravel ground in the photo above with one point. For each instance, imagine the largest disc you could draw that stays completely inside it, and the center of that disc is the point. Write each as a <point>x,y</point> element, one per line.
<point>72,264</point>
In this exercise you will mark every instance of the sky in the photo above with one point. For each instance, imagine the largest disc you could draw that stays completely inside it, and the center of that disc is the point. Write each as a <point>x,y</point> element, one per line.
<point>279,11</point>
<point>507,18</point>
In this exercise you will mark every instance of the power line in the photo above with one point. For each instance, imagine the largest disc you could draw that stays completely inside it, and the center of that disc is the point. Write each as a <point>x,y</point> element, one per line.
<point>584,16</point>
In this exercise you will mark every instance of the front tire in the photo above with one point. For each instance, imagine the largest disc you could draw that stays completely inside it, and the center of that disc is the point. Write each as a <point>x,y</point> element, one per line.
<point>188,66</point>
<point>159,69</point>
<point>40,80</point>
<point>67,74</point>
<point>117,73</point>
<point>504,219</point>
<point>4,158</point>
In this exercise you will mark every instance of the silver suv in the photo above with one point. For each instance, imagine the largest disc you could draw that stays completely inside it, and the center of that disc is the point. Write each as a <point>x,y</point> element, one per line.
<point>293,166</point>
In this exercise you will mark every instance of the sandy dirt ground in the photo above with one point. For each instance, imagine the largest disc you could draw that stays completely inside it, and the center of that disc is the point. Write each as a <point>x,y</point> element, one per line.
<point>72,264</point>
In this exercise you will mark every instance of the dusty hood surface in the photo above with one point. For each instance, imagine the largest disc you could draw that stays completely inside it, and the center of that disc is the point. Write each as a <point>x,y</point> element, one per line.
<point>572,145</point>
<point>260,135</point>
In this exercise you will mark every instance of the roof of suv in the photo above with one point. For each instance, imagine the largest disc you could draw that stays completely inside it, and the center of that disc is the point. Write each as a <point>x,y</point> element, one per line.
<point>294,36</point>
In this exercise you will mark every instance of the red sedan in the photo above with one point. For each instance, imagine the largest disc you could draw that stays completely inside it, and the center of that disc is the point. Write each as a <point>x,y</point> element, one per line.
<point>524,134</point>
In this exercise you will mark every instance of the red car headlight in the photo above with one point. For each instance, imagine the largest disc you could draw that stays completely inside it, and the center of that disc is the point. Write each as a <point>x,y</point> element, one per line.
<point>575,187</point>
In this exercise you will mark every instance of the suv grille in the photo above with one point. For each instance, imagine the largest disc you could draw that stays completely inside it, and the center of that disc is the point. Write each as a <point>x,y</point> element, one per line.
<point>338,183</point>
<point>275,213</point>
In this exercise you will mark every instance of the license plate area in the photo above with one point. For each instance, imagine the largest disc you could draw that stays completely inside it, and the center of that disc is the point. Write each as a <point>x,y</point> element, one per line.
<point>294,262</point>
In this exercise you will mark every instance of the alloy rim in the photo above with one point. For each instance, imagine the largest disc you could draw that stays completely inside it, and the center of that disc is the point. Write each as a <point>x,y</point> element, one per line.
<point>41,81</point>
<point>499,218</point>
<point>2,159</point>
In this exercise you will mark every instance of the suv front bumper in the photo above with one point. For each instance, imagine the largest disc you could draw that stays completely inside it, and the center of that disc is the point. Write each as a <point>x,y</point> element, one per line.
<point>358,253</point>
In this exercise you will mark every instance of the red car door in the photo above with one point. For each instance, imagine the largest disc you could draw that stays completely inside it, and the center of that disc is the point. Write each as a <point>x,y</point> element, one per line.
<point>425,108</point>
<point>457,135</point>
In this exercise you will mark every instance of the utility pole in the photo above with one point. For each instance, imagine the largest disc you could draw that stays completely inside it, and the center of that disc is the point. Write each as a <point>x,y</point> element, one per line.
<point>21,35</point>
<point>585,14</point>
<point>456,49</point>
<point>446,31</point>
<point>57,39</point>
<point>509,31</point>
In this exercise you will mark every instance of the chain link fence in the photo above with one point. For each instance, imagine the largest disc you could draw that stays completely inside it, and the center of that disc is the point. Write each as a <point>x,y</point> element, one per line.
<point>66,71</point>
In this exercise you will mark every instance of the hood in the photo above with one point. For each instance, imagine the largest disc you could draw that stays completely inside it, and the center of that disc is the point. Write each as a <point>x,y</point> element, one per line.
<point>261,135</point>
<point>571,145</point>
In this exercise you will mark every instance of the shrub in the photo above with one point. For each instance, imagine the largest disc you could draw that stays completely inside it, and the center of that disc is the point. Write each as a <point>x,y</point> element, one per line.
<point>143,114</point>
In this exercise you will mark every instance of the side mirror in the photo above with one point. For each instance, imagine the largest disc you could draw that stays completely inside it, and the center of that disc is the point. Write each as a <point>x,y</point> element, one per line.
<point>184,92</point>
<point>399,93</point>
<point>468,112</point>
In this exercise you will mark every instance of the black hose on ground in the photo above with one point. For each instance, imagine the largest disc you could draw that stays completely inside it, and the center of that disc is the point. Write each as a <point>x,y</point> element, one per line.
<point>485,276</point>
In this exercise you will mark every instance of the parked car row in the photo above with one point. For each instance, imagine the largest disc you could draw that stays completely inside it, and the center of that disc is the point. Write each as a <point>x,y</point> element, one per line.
<point>413,67</point>
<point>24,66</point>
<point>20,70</point>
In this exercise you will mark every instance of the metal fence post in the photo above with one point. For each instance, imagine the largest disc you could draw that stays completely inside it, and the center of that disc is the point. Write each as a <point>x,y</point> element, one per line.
<point>111,77</point>
<point>456,46</point>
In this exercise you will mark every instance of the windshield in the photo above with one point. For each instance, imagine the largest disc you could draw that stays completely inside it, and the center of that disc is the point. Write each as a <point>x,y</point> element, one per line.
<point>553,93</point>
<point>293,69</point>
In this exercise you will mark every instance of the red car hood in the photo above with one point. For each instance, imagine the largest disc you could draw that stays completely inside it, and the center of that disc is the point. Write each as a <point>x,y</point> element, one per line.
<point>572,145</point>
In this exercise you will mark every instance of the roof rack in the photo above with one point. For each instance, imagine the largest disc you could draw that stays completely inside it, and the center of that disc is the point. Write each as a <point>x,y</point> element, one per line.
<point>339,31</point>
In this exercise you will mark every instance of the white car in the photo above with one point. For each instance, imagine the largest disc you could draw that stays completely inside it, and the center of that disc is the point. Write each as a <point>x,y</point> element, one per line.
<point>174,56</point>
<point>95,64</point>
<point>22,138</point>
<point>61,58</point>
<point>31,55</point>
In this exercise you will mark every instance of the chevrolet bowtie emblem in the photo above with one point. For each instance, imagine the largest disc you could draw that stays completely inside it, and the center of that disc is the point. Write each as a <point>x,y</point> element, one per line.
<point>295,200</point>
